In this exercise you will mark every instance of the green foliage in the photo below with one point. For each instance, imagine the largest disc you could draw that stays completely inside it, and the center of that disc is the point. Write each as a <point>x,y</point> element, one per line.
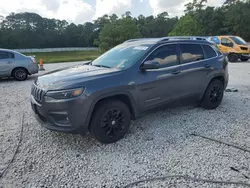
<point>237,21</point>
<point>214,25</point>
<point>55,57</point>
<point>159,26</point>
<point>196,5</point>
<point>117,32</point>
<point>30,30</point>
<point>187,26</point>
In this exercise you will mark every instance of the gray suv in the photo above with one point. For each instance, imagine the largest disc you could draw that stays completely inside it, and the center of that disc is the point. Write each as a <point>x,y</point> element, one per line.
<point>103,96</point>
<point>17,65</point>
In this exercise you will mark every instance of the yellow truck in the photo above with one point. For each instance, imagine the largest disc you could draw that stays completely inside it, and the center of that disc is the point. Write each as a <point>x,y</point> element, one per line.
<point>233,46</point>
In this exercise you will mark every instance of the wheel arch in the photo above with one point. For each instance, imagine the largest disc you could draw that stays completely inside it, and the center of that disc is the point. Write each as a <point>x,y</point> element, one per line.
<point>219,77</point>
<point>216,77</point>
<point>124,97</point>
<point>233,53</point>
<point>12,71</point>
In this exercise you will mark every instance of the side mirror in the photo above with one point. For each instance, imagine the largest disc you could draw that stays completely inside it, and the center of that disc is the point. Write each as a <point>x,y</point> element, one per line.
<point>150,65</point>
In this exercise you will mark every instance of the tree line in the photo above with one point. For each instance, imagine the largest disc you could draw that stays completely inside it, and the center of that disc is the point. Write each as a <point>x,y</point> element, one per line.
<point>30,30</point>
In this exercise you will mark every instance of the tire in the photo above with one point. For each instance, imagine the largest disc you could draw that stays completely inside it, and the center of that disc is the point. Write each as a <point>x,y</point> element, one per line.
<point>244,59</point>
<point>213,95</point>
<point>111,121</point>
<point>233,58</point>
<point>20,74</point>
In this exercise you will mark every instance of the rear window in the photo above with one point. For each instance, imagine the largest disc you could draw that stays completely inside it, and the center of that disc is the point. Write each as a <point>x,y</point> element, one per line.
<point>216,40</point>
<point>210,53</point>
<point>191,52</point>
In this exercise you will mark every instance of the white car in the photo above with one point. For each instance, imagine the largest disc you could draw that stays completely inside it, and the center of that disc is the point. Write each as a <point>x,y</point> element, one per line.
<point>17,65</point>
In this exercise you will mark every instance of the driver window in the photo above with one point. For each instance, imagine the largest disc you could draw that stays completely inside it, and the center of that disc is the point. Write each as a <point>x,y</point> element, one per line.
<point>166,56</point>
<point>226,42</point>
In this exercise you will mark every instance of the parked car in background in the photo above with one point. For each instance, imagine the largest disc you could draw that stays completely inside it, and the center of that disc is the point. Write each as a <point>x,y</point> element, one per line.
<point>17,65</point>
<point>103,96</point>
<point>233,46</point>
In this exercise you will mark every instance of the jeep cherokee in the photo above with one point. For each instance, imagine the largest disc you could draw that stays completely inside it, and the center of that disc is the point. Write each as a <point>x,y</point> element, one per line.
<point>103,96</point>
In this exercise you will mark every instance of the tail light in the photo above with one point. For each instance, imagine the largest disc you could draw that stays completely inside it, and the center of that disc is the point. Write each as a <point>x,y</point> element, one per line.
<point>33,60</point>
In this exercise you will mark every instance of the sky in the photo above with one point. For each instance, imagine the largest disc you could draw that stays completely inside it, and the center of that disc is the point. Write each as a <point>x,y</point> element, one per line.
<point>80,11</point>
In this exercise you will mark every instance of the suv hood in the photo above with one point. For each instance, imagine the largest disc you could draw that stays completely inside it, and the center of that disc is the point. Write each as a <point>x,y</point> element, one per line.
<point>66,78</point>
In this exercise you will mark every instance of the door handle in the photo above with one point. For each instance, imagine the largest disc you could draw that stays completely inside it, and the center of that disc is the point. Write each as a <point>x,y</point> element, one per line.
<point>176,72</point>
<point>9,62</point>
<point>207,65</point>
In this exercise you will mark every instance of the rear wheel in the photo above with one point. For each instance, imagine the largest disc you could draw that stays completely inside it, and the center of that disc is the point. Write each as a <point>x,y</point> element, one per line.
<point>233,57</point>
<point>20,74</point>
<point>244,59</point>
<point>111,121</point>
<point>213,95</point>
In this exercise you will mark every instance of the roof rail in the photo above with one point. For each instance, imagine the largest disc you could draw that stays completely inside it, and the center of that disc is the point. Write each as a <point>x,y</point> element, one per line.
<point>158,40</point>
<point>132,40</point>
<point>182,38</point>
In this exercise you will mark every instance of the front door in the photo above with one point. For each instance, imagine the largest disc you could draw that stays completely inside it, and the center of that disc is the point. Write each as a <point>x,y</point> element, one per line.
<point>226,45</point>
<point>6,63</point>
<point>157,86</point>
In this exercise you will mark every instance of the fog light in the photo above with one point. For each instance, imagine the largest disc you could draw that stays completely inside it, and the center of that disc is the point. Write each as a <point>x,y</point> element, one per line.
<point>61,119</point>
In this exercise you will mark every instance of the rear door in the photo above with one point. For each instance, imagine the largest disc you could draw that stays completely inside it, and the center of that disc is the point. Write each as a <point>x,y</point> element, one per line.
<point>193,70</point>
<point>7,60</point>
<point>226,45</point>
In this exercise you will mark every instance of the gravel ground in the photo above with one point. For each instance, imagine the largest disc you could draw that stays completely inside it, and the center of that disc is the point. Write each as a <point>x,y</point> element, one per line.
<point>158,144</point>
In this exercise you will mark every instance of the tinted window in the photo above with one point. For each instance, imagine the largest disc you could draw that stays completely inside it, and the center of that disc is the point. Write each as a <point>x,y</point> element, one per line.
<point>216,40</point>
<point>238,40</point>
<point>226,42</point>
<point>209,51</point>
<point>166,56</point>
<point>216,48</point>
<point>12,55</point>
<point>4,55</point>
<point>191,52</point>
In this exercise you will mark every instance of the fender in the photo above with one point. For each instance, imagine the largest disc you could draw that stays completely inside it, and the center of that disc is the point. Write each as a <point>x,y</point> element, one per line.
<point>108,95</point>
<point>210,78</point>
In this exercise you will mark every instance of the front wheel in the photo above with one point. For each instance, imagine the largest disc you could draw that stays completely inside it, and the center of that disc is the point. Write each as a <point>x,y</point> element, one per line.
<point>111,121</point>
<point>244,59</point>
<point>213,95</point>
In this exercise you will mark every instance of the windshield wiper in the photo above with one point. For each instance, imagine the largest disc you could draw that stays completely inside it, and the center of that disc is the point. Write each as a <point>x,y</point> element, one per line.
<point>103,66</point>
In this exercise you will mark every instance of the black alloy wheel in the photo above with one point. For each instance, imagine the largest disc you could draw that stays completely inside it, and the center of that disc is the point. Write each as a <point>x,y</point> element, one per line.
<point>110,121</point>
<point>213,95</point>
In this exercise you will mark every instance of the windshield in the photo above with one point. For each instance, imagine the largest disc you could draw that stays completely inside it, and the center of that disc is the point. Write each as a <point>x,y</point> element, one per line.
<point>122,56</point>
<point>238,40</point>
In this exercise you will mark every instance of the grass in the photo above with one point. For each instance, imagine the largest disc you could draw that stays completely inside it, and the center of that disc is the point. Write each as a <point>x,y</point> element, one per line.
<point>55,57</point>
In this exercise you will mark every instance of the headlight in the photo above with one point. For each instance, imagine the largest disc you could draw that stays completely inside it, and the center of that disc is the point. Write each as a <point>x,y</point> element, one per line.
<point>63,94</point>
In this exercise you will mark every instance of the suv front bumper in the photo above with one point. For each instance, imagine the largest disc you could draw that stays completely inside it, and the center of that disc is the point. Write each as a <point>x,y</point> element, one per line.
<point>63,116</point>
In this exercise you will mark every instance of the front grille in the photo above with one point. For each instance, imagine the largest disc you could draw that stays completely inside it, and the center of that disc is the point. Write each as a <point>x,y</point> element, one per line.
<point>37,93</point>
<point>244,48</point>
